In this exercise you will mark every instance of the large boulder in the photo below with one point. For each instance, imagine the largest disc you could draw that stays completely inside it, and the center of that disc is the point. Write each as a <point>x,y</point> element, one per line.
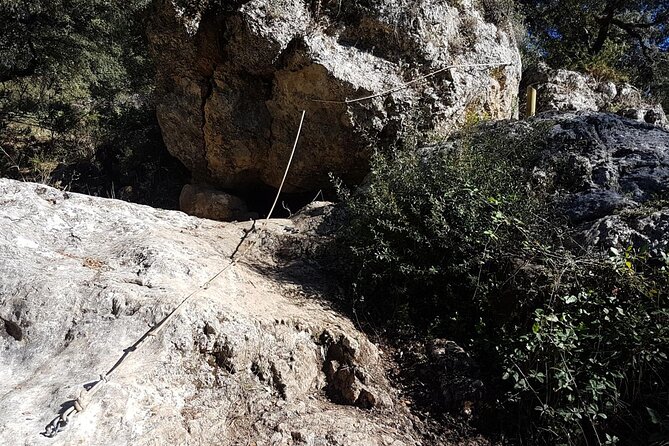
<point>608,176</point>
<point>565,90</point>
<point>205,202</point>
<point>255,358</point>
<point>611,175</point>
<point>233,78</point>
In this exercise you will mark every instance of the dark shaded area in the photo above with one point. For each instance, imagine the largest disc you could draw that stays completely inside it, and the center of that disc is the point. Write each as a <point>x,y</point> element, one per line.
<point>260,199</point>
<point>13,329</point>
<point>146,175</point>
<point>131,163</point>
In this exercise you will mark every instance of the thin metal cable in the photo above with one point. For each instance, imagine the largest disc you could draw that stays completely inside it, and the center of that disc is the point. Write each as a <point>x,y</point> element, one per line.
<point>413,81</point>
<point>80,403</point>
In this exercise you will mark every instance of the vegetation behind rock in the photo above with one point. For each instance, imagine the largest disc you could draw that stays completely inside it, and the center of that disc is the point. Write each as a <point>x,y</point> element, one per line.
<point>461,241</point>
<point>612,40</point>
<point>75,99</point>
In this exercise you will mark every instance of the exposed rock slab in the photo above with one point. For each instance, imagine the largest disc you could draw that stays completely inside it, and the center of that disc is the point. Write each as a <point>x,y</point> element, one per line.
<point>252,358</point>
<point>232,81</point>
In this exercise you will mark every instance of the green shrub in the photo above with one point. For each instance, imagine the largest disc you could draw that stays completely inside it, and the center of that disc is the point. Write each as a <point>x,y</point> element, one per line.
<point>76,112</point>
<point>456,241</point>
<point>593,364</point>
<point>431,222</point>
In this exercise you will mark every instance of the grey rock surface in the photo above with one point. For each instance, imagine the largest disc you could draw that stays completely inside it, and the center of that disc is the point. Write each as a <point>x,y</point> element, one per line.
<point>255,358</point>
<point>608,175</point>
<point>609,172</point>
<point>233,78</point>
<point>565,90</point>
<point>612,176</point>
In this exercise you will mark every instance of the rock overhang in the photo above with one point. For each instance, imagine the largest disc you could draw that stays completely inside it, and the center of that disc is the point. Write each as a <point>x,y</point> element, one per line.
<point>233,123</point>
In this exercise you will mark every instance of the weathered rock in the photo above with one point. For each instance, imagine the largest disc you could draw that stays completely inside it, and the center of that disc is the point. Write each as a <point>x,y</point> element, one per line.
<point>347,382</point>
<point>564,90</point>
<point>205,202</point>
<point>609,175</point>
<point>602,164</point>
<point>612,175</point>
<point>232,81</point>
<point>248,360</point>
<point>641,228</point>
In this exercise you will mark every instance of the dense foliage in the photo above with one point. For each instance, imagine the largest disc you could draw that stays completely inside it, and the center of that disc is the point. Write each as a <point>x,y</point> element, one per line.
<point>457,242</point>
<point>75,96</point>
<point>619,39</point>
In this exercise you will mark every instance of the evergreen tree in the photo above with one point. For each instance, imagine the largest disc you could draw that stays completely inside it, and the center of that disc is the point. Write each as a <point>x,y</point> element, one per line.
<point>61,60</point>
<point>617,39</point>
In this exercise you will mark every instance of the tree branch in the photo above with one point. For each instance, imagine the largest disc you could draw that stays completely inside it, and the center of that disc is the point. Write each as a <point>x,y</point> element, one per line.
<point>632,32</point>
<point>604,28</point>
<point>659,19</point>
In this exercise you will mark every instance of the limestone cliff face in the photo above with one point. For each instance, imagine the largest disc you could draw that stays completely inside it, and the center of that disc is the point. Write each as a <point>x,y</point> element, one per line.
<point>564,90</point>
<point>233,77</point>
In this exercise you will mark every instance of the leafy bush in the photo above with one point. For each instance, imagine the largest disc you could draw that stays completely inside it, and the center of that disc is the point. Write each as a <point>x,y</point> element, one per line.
<point>457,241</point>
<point>76,85</point>
<point>593,364</point>
<point>432,221</point>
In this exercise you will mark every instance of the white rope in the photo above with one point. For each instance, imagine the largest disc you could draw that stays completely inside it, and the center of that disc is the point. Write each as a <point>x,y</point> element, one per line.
<point>290,160</point>
<point>80,403</point>
<point>413,81</point>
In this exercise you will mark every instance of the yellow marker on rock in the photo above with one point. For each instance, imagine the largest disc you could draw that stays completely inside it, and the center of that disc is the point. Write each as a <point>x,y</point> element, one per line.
<point>531,105</point>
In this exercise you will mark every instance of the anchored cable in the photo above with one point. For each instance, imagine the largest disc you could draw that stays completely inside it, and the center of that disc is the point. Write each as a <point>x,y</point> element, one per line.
<point>85,396</point>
